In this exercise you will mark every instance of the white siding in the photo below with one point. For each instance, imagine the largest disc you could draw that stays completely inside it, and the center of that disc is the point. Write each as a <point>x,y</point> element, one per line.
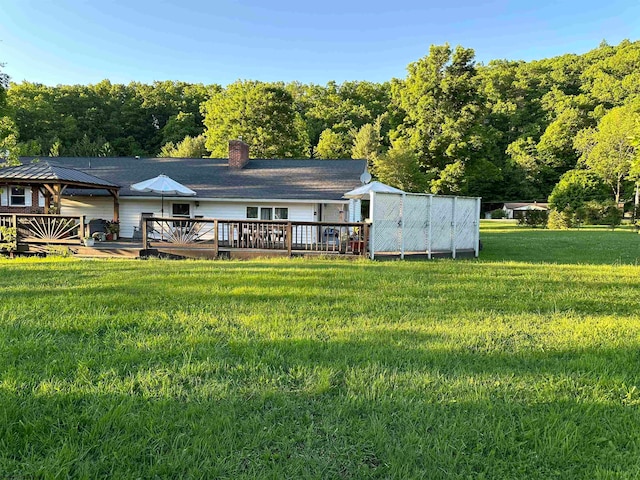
<point>298,212</point>
<point>354,210</point>
<point>90,207</point>
<point>131,210</point>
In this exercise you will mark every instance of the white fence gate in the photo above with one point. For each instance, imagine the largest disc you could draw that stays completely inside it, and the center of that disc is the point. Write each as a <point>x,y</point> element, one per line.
<point>414,223</point>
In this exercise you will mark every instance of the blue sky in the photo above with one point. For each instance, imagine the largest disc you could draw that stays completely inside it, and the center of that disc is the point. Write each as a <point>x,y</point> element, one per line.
<point>74,41</point>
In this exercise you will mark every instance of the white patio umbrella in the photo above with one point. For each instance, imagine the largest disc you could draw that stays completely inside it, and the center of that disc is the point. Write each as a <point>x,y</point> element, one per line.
<point>365,190</point>
<point>164,186</point>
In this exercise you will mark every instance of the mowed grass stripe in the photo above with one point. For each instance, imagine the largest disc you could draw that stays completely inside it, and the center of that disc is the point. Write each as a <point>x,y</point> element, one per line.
<point>523,364</point>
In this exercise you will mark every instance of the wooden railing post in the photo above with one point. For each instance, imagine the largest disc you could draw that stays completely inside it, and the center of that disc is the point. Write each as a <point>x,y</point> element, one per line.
<point>14,221</point>
<point>145,242</point>
<point>289,238</point>
<point>365,239</point>
<point>81,228</point>
<point>216,242</point>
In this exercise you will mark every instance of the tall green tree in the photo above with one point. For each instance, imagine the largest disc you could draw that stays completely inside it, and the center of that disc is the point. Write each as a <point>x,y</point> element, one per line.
<point>439,97</point>
<point>333,145</point>
<point>608,149</point>
<point>261,113</point>
<point>399,167</point>
<point>9,150</point>
<point>367,142</point>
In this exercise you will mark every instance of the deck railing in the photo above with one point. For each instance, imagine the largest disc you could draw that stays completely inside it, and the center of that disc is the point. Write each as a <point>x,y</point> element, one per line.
<point>279,235</point>
<point>44,229</point>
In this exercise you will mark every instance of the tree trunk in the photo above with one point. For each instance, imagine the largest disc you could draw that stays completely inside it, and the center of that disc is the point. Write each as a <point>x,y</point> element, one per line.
<point>636,203</point>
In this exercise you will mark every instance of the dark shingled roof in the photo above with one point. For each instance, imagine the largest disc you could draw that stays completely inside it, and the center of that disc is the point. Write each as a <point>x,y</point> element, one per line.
<point>212,177</point>
<point>46,171</point>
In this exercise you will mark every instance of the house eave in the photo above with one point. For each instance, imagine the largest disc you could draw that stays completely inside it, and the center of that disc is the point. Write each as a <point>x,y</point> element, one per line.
<point>233,200</point>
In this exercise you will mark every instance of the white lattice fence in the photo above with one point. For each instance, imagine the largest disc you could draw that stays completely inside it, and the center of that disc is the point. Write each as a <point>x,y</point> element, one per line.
<point>387,234</point>
<point>441,223</point>
<point>417,223</point>
<point>466,223</point>
<point>416,213</point>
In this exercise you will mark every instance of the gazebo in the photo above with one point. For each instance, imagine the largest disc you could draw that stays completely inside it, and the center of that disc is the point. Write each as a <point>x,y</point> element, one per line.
<point>51,181</point>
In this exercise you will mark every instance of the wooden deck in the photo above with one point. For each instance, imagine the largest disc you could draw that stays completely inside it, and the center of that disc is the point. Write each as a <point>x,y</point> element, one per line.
<point>198,238</point>
<point>186,238</point>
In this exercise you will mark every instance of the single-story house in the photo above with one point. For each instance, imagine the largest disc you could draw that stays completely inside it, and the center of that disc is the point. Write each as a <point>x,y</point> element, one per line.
<point>519,210</point>
<point>226,188</point>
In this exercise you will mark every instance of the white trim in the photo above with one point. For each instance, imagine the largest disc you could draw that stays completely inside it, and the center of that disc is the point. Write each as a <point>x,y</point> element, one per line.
<point>372,227</point>
<point>220,199</point>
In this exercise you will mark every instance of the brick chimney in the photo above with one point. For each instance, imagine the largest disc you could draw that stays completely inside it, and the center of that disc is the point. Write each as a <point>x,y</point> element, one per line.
<point>238,154</point>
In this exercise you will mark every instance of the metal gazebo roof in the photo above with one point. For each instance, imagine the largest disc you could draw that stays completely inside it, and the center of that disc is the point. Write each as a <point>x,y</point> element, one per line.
<point>45,172</point>
<point>51,180</point>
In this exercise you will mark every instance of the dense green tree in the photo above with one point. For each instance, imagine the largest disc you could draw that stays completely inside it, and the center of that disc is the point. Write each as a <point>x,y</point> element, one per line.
<point>9,151</point>
<point>577,187</point>
<point>504,130</point>
<point>367,142</point>
<point>340,107</point>
<point>4,84</point>
<point>189,147</point>
<point>85,147</point>
<point>398,167</point>
<point>180,126</point>
<point>333,145</point>
<point>130,117</point>
<point>261,113</point>
<point>442,106</point>
<point>608,149</point>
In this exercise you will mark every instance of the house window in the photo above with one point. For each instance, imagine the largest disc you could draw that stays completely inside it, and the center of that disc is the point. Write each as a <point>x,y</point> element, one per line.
<point>252,212</point>
<point>266,213</point>
<point>282,213</point>
<point>18,197</point>
<point>181,210</point>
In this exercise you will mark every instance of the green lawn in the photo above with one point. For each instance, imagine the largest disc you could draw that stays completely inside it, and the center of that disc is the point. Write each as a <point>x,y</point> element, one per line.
<point>523,364</point>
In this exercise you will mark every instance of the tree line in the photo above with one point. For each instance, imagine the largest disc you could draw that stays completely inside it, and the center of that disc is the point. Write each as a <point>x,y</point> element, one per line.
<point>501,130</point>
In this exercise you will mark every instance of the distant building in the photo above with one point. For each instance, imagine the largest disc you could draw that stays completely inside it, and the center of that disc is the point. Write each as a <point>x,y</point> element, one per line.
<point>519,210</point>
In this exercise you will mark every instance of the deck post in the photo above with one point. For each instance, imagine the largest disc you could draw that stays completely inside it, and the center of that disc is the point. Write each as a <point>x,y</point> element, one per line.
<point>145,243</point>
<point>116,205</point>
<point>216,240</point>
<point>289,238</point>
<point>81,228</point>
<point>365,239</point>
<point>14,221</point>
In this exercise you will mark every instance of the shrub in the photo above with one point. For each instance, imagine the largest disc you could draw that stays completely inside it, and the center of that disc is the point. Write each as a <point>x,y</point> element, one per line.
<point>611,215</point>
<point>498,213</point>
<point>591,212</point>
<point>7,238</point>
<point>577,187</point>
<point>534,218</point>
<point>560,220</point>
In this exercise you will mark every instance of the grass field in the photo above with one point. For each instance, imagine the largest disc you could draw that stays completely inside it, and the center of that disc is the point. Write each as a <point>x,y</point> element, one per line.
<point>523,364</point>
